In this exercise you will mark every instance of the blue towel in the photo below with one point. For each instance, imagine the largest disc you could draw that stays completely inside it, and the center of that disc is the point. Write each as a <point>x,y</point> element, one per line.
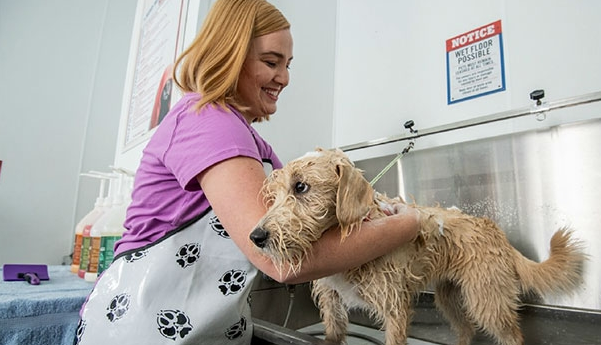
<point>45,313</point>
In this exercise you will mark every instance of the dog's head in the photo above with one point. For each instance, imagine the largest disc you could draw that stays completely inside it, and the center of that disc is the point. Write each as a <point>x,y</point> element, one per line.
<point>306,198</point>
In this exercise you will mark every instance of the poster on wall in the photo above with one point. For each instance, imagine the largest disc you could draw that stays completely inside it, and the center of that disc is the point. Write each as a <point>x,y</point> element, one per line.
<point>152,92</point>
<point>475,64</point>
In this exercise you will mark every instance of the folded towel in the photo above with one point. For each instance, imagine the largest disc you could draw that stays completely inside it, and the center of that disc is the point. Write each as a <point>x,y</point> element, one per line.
<point>64,292</point>
<point>42,314</point>
<point>49,329</point>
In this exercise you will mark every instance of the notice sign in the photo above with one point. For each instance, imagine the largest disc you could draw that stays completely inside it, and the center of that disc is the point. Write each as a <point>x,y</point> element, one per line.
<point>475,63</point>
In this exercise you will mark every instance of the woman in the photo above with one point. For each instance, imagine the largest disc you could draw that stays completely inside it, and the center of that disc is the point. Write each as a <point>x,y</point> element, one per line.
<point>184,268</point>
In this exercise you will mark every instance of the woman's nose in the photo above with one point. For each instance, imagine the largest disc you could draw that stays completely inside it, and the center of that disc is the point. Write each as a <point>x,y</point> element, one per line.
<point>283,77</point>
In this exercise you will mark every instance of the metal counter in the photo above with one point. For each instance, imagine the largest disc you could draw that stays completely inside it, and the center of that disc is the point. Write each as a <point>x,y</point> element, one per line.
<point>530,183</point>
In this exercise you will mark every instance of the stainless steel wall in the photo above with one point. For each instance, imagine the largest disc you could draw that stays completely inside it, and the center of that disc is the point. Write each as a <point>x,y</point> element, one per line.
<point>530,183</point>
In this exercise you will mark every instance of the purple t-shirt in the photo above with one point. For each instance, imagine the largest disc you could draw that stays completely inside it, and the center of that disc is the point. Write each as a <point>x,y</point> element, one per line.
<point>166,193</point>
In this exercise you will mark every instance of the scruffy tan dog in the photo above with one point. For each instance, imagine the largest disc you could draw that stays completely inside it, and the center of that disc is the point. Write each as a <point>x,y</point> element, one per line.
<point>478,276</point>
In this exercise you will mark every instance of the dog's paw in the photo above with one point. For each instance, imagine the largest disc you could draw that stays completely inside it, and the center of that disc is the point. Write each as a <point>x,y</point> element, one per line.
<point>396,208</point>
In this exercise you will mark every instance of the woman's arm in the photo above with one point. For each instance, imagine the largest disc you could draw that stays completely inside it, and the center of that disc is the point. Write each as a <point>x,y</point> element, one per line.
<point>233,188</point>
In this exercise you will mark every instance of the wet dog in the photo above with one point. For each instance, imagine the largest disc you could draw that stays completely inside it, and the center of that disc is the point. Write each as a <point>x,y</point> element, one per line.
<point>477,275</point>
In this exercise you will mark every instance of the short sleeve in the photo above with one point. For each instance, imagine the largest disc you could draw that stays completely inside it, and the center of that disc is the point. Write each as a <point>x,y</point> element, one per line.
<point>202,139</point>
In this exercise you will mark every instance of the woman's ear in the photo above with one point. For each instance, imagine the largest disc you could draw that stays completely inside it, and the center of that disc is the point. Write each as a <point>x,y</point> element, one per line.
<point>354,199</point>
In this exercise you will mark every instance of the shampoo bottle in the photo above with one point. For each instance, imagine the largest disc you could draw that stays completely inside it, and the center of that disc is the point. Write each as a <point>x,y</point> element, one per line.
<point>91,270</point>
<point>87,219</point>
<point>113,229</point>
<point>86,228</point>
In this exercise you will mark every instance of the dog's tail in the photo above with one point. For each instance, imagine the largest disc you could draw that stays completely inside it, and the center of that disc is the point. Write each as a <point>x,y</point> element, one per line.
<point>560,273</point>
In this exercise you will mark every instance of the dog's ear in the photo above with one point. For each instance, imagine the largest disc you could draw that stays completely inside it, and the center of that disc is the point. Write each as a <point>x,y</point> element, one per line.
<point>354,198</point>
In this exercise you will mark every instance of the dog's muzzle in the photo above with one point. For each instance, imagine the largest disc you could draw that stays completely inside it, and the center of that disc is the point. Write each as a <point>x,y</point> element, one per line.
<point>259,237</point>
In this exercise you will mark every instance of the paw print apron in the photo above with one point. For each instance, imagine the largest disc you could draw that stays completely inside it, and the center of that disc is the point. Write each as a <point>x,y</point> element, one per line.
<point>191,287</point>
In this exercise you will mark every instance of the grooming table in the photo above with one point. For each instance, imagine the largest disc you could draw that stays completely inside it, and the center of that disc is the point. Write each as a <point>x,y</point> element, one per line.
<point>42,314</point>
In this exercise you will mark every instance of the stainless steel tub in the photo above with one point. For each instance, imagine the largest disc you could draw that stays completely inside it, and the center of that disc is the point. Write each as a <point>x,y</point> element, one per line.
<point>267,333</point>
<point>540,326</point>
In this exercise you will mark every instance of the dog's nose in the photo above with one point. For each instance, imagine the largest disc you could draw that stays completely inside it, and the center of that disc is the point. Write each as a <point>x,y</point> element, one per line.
<point>259,237</point>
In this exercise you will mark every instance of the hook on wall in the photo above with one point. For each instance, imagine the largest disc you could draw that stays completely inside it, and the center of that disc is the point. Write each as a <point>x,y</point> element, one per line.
<point>537,95</point>
<point>409,125</point>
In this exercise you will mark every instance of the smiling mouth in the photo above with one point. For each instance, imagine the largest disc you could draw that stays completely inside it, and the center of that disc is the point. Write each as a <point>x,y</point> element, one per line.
<point>273,93</point>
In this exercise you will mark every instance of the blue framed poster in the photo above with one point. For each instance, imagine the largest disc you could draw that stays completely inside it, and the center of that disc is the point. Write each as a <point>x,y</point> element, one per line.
<point>475,65</point>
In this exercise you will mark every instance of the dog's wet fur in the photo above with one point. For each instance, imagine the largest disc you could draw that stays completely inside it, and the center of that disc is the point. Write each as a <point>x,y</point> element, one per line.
<point>477,275</point>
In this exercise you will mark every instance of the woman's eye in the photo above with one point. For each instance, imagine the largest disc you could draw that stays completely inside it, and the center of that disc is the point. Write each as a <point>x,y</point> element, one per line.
<point>270,64</point>
<point>301,187</point>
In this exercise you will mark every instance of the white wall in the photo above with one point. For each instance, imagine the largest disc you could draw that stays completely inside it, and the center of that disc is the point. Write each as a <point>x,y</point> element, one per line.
<point>391,65</point>
<point>306,107</point>
<point>62,64</point>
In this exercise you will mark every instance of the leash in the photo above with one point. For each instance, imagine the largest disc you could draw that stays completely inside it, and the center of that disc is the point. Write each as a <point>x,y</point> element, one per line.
<point>409,125</point>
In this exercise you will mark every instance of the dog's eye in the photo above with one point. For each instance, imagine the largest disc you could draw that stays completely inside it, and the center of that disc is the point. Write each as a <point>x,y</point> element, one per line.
<point>301,187</point>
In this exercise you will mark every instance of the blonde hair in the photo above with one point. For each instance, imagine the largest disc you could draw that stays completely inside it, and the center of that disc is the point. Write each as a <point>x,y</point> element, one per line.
<point>211,65</point>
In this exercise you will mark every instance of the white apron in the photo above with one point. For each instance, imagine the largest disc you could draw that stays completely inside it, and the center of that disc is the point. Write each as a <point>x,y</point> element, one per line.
<point>191,287</point>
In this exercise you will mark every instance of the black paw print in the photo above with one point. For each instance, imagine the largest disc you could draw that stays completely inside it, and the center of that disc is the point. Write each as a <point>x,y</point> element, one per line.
<point>236,330</point>
<point>188,254</point>
<point>173,323</point>
<point>137,255</point>
<point>232,282</point>
<point>118,307</point>
<point>217,227</point>
<point>81,328</point>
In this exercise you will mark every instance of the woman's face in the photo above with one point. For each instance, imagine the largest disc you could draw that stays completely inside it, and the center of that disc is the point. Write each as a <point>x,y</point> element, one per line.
<point>265,73</point>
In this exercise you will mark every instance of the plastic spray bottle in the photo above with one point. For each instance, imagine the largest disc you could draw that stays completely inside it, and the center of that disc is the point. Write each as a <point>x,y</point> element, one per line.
<point>86,241</point>
<point>113,229</point>
<point>89,218</point>
<point>91,270</point>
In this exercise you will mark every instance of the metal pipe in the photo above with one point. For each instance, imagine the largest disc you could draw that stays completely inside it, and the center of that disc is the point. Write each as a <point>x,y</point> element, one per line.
<point>505,115</point>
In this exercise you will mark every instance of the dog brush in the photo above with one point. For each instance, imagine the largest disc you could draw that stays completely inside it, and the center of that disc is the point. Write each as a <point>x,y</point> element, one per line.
<point>29,273</point>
